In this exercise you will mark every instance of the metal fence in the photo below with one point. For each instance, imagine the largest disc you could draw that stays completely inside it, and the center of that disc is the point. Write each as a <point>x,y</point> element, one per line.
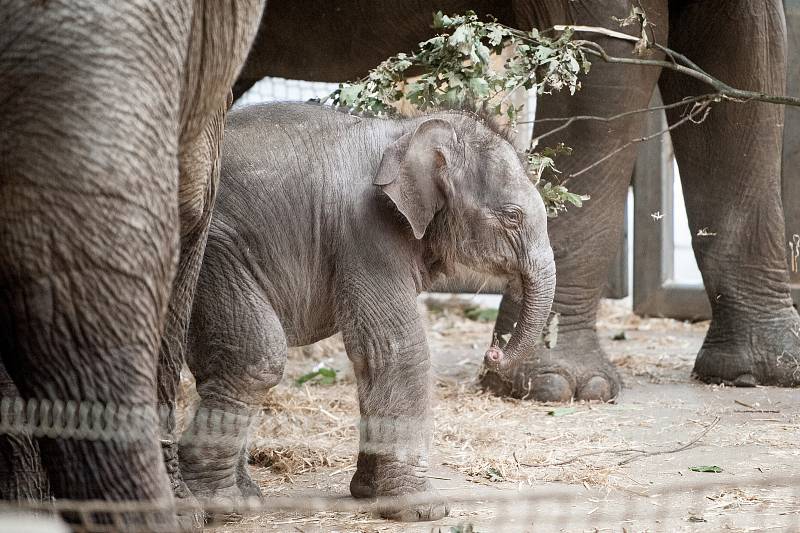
<point>680,506</point>
<point>550,509</point>
<point>280,89</point>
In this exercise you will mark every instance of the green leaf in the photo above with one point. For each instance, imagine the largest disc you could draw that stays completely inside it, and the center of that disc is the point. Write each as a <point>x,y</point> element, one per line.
<point>462,36</point>
<point>402,65</point>
<point>481,314</point>
<point>327,372</point>
<point>497,35</point>
<point>454,79</point>
<point>562,411</point>
<point>573,198</point>
<point>493,474</point>
<point>327,376</point>
<point>713,469</point>
<point>454,97</point>
<point>479,87</point>
<point>349,93</point>
<point>511,112</point>
<point>306,377</point>
<point>438,19</point>
<point>483,53</point>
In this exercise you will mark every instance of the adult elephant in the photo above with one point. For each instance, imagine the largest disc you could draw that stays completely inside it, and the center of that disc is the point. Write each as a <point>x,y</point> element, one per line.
<point>110,119</point>
<point>729,166</point>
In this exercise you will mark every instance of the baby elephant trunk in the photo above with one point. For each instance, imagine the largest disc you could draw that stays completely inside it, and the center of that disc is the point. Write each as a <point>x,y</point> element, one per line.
<point>538,288</point>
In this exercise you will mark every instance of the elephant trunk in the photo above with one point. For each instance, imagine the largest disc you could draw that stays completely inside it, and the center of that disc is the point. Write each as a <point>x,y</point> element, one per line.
<point>538,288</point>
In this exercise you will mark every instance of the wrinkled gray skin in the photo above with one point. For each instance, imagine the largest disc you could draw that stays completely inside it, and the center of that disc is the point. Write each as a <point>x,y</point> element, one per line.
<point>729,166</point>
<point>110,118</point>
<point>328,222</point>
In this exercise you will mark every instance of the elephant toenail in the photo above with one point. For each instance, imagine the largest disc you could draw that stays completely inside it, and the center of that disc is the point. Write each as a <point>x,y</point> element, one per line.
<point>745,380</point>
<point>597,389</point>
<point>550,388</point>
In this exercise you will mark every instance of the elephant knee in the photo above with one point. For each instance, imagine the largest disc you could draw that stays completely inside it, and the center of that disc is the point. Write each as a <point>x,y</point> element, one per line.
<point>269,374</point>
<point>263,378</point>
<point>241,384</point>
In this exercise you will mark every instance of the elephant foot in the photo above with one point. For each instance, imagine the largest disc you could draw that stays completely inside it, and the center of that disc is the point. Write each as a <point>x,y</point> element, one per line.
<point>744,351</point>
<point>190,513</point>
<point>244,482</point>
<point>218,491</point>
<point>220,504</point>
<point>379,477</point>
<point>576,368</point>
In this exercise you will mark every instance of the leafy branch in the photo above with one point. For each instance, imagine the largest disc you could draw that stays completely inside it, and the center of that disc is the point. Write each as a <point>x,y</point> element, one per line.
<point>555,195</point>
<point>454,70</point>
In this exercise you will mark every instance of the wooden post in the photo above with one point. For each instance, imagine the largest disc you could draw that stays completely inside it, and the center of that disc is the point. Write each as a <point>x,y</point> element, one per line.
<point>790,188</point>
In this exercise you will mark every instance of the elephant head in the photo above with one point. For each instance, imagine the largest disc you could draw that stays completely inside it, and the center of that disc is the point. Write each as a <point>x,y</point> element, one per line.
<point>464,191</point>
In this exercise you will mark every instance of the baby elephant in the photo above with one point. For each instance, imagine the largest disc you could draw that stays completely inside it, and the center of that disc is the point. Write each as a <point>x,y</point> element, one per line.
<point>328,222</point>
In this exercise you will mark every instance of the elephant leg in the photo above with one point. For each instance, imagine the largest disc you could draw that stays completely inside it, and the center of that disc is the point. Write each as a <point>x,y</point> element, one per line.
<point>88,231</point>
<point>385,340</point>
<point>22,476</point>
<point>584,240</point>
<point>199,174</point>
<point>237,352</point>
<point>730,172</point>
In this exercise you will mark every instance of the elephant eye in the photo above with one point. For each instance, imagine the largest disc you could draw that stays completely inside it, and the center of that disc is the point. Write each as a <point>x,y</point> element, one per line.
<point>511,215</point>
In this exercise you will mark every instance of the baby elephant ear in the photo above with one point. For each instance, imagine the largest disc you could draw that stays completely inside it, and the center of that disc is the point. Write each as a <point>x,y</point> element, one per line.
<point>413,171</point>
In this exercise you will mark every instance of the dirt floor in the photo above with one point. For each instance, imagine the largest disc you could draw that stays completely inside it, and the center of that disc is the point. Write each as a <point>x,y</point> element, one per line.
<point>555,468</point>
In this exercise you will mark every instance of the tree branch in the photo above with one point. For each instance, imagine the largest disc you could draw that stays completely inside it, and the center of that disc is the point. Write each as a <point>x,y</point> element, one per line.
<point>694,71</point>
<point>643,453</point>
<point>569,120</point>
<point>700,107</point>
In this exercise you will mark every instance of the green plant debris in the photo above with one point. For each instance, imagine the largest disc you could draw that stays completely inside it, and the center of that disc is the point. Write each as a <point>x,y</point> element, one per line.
<point>493,474</point>
<point>322,375</point>
<point>621,336</point>
<point>481,314</point>
<point>712,469</point>
<point>562,411</point>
